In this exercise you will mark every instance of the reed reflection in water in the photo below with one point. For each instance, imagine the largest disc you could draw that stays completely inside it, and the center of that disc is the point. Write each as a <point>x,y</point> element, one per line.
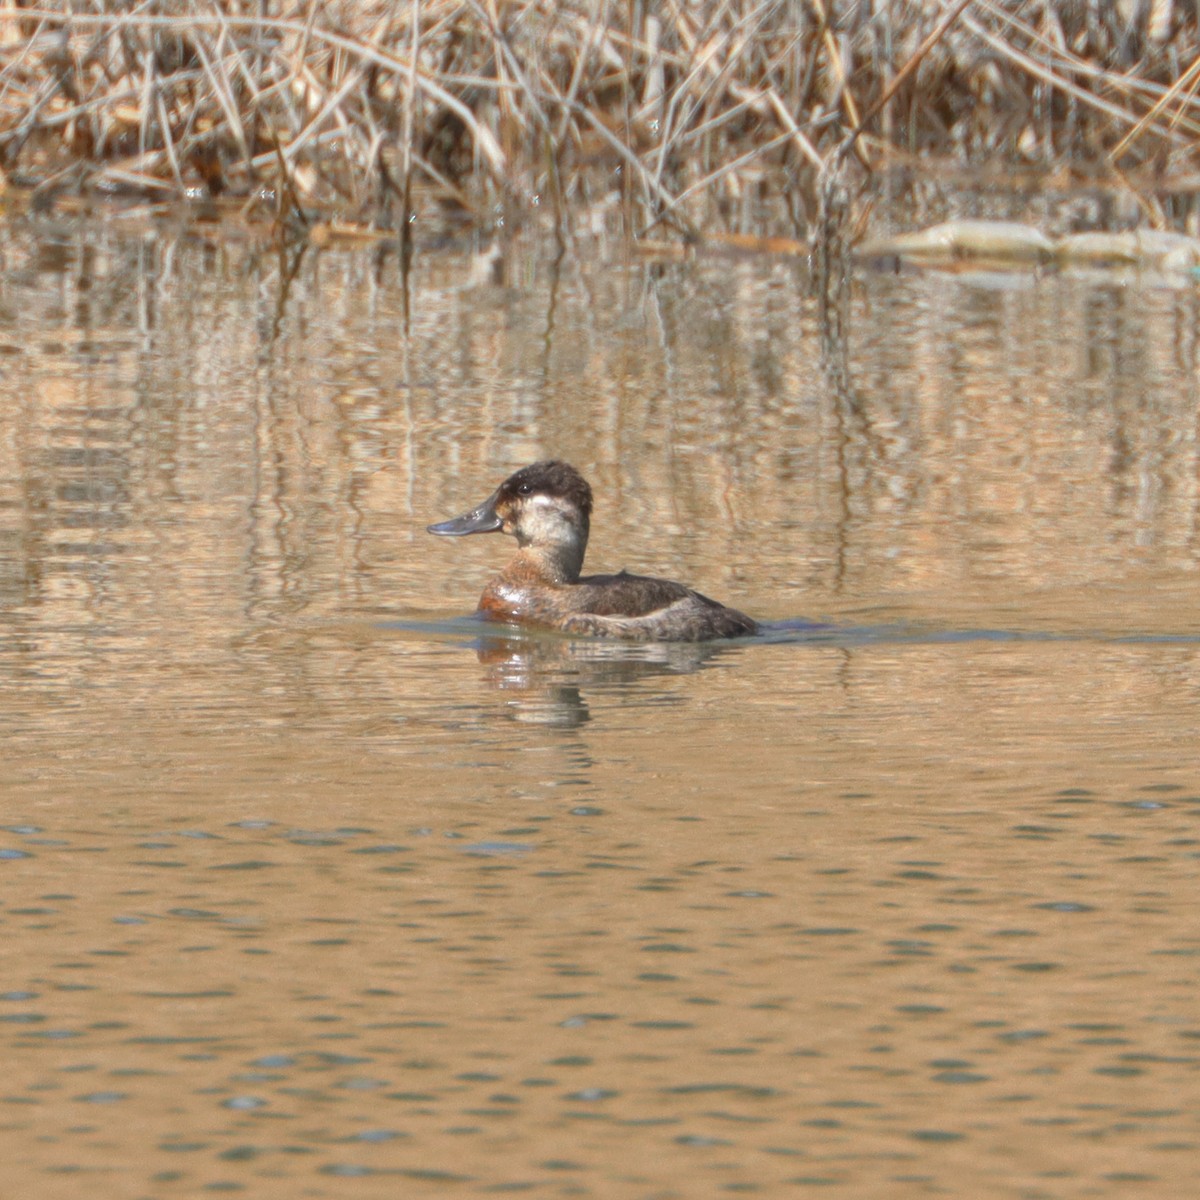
<point>312,885</point>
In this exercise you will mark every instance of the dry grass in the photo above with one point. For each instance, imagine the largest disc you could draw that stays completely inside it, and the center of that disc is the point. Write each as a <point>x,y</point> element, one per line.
<point>680,113</point>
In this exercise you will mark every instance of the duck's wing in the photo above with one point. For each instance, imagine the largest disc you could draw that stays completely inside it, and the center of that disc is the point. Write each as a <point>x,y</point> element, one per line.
<point>626,595</point>
<point>642,608</point>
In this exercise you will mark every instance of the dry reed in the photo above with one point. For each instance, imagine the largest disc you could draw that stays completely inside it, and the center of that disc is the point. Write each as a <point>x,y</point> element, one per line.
<point>676,113</point>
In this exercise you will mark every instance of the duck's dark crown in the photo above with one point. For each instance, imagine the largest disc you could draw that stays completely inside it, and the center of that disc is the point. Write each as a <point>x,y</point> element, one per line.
<point>550,478</point>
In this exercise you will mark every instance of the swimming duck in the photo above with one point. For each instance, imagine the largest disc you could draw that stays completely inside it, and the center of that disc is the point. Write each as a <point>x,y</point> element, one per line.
<point>547,507</point>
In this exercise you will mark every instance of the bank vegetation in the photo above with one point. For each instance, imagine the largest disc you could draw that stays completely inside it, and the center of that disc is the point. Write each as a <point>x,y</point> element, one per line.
<point>678,115</point>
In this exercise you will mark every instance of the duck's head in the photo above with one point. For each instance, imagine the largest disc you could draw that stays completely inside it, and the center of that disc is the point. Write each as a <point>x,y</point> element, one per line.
<point>546,506</point>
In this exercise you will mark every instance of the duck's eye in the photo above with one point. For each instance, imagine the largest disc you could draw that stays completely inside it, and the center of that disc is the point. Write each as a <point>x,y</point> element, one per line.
<point>524,489</point>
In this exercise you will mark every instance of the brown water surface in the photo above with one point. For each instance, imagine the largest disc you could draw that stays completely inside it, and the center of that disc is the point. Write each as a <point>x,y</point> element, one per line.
<point>308,890</point>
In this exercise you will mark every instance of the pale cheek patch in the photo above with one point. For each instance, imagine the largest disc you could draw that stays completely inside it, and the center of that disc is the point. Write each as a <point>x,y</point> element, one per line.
<point>544,512</point>
<point>542,517</point>
<point>547,519</point>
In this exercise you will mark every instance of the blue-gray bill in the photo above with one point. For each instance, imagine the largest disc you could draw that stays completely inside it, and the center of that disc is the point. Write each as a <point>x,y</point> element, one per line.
<point>479,520</point>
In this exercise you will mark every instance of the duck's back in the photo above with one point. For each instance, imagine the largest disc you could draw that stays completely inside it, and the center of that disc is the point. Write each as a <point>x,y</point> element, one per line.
<point>645,608</point>
<point>625,595</point>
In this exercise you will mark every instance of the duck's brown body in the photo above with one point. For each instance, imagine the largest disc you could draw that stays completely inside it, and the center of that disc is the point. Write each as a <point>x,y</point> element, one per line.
<point>547,507</point>
<point>634,607</point>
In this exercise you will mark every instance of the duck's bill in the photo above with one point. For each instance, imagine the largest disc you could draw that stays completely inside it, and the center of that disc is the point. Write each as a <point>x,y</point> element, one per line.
<point>479,520</point>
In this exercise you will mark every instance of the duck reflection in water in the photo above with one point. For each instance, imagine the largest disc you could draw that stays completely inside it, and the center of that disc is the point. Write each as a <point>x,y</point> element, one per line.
<point>545,679</point>
<point>547,507</point>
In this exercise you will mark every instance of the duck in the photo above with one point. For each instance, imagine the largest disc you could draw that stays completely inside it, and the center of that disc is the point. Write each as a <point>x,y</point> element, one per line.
<point>547,507</point>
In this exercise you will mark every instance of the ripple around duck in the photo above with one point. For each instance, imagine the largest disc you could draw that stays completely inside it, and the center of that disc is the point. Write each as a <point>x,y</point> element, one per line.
<point>796,630</point>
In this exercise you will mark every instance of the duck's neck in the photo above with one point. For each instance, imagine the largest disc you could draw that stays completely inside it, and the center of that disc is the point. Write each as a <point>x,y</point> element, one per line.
<point>556,560</point>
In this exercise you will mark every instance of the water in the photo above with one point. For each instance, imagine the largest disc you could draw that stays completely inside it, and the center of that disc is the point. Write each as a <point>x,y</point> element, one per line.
<point>311,889</point>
